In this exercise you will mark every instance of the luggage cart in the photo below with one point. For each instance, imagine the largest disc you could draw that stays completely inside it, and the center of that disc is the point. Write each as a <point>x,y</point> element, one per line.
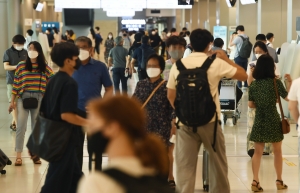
<point>230,95</point>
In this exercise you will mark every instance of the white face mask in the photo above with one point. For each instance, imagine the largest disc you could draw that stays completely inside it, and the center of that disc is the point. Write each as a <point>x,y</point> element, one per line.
<point>110,36</point>
<point>153,72</point>
<point>19,48</point>
<point>257,55</point>
<point>153,33</point>
<point>83,54</point>
<point>33,54</point>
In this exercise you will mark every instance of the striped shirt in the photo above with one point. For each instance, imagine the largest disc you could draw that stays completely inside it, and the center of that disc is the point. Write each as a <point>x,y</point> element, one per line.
<point>33,81</point>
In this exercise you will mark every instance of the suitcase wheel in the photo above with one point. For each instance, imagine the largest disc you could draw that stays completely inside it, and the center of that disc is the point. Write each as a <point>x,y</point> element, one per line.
<point>234,120</point>
<point>3,172</point>
<point>9,162</point>
<point>206,188</point>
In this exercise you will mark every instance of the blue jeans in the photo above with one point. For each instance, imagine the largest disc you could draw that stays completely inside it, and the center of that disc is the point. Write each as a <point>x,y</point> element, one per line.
<point>22,117</point>
<point>119,76</point>
<point>242,62</point>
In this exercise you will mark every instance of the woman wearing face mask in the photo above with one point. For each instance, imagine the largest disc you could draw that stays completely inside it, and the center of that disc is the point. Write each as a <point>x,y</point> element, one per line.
<point>122,122</point>
<point>267,126</point>
<point>31,78</point>
<point>109,44</point>
<point>175,47</point>
<point>259,49</point>
<point>159,111</point>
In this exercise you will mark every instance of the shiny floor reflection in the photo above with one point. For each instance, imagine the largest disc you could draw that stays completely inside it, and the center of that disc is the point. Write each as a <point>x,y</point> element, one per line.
<point>29,178</point>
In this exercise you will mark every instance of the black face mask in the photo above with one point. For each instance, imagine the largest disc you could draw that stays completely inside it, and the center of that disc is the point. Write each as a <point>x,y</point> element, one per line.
<point>78,64</point>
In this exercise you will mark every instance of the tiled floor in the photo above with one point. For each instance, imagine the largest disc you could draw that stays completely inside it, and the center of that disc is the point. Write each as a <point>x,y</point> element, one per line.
<point>29,178</point>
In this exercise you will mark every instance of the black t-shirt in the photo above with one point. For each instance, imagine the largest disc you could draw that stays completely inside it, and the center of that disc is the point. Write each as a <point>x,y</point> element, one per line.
<point>50,40</point>
<point>156,40</point>
<point>61,96</point>
<point>133,47</point>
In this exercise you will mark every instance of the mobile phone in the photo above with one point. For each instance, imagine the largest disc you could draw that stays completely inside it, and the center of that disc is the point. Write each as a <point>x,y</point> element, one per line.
<point>252,65</point>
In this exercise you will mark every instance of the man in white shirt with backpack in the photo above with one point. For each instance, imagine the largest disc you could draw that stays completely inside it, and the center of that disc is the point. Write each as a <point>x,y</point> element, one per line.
<point>243,50</point>
<point>197,107</point>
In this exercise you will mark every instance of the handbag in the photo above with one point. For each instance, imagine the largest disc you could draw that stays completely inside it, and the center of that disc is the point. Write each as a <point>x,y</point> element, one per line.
<point>49,139</point>
<point>285,125</point>
<point>153,92</point>
<point>32,103</point>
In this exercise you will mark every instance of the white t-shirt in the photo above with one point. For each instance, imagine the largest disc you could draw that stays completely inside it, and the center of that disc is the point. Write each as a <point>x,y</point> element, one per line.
<point>238,42</point>
<point>187,52</point>
<point>218,70</point>
<point>101,183</point>
<point>167,70</point>
<point>232,52</point>
<point>92,39</point>
<point>277,72</point>
<point>57,37</point>
<point>187,39</point>
<point>294,95</point>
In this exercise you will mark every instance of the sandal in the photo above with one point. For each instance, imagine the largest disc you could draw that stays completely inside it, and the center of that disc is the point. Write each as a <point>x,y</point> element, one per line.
<point>172,184</point>
<point>18,162</point>
<point>35,159</point>
<point>256,188</point>
<point>13,127</point>
<point>281,186</point>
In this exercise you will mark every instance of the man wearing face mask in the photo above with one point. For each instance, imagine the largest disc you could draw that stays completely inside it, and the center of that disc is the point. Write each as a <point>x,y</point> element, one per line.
<point>155,40</point>
<point>11,58</point>
<point>175,47</point>
<point>60,104</point>
<point>91,76</point>
<point>272,52</point>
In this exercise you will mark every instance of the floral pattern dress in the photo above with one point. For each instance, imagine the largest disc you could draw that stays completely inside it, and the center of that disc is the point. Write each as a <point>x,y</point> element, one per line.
<point>267,125</point>
<point>159,110</point>
<point>109,44</point>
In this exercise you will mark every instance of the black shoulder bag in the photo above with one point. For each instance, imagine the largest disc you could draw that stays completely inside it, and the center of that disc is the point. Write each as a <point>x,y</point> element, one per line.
<point>31,102</point>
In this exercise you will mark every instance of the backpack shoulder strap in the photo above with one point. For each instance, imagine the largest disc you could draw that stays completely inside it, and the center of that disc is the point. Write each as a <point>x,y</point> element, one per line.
<point>208,62</point>
<point>180,65</point>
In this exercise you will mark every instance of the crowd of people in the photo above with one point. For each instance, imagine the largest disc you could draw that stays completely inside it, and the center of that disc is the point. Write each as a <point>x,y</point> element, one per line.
<point>136,132</point>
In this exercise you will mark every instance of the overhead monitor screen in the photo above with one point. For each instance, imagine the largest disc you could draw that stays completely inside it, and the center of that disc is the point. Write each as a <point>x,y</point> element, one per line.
<point>39,7</point>
<point>185,2</point>
<point>79,4</point>
<point>167,4</point>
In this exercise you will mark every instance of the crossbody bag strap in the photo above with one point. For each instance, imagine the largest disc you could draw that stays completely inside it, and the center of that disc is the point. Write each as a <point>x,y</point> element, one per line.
<point>279,100</point>
<point>153,92</point>
<point>40,81</point>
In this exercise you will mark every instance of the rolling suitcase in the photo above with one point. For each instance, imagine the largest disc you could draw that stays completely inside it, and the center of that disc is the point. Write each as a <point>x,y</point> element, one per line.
<point>205,170</point>
<point>3,162</point>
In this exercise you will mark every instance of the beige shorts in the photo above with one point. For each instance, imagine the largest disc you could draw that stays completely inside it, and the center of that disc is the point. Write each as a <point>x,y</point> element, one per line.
<point>9,91</point>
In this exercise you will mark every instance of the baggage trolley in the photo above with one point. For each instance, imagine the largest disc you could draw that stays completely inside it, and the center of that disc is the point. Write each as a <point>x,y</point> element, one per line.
<point>205,170</point>
<point>4,160</point>
<point>230,95</point>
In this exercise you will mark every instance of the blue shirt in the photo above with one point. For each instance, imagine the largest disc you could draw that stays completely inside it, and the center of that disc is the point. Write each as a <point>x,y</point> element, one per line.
<point>90,79</point>
<point>138,54</point>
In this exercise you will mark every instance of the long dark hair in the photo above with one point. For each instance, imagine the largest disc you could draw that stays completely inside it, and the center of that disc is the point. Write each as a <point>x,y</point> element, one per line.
<point>265,68</point>
<point>41,60</point>
<point>93,32</point>
<point>149,148</point>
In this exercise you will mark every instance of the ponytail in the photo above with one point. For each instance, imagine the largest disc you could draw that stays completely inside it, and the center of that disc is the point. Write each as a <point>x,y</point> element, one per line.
<point>152,152</point>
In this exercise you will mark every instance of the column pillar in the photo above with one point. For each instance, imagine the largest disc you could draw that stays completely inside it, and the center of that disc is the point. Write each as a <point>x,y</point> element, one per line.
<point>13,19</point>
<point>289,20</point>
<point>259,17</point>
<point>237,19</point>
<point>182,23</point>
<point>3,32</point>
<point>218,12</point>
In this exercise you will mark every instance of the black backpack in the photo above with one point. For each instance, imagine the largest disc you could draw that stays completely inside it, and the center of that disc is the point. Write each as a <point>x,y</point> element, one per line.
<point>246,48</point>
<point>145,184</point>
<point>194,104</point>
<point>146,52</point>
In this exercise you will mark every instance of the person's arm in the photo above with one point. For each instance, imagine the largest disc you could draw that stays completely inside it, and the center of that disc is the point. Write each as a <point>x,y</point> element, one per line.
<point>293,108</point>
<point>250,77</point>
<point>251,104</point>
<point>133,61</point>
<point>106,82</point>
<point>109,91</point>
<point>110,58</point>
<point>9,67</point>
<point>74,119</point>
<point>233,40</point>
<point>171,96</point>
<point>240,74</point>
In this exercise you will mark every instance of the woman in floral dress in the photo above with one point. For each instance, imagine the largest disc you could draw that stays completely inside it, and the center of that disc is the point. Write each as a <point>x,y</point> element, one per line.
<point>109,44</point>
<point>267,124</point>
<point>159,111</point>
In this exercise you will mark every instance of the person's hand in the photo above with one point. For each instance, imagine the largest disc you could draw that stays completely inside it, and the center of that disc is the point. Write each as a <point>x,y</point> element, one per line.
<point>12,107</point>
<point>288,78</point>
<point>252,69</point>
<point>221,54</point>
<point>134,70</point>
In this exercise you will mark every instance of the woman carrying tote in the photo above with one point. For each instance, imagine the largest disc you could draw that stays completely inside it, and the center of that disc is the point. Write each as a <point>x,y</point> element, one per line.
<point>152,93</point>
<point>31,78</point>
<point>267,123</point>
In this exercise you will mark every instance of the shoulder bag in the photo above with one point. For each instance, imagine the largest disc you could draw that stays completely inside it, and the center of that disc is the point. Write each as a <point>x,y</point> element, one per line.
<point>49,139</point>
<point>285,125</point>
<point>153,92</point>
<point>31,102</point>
